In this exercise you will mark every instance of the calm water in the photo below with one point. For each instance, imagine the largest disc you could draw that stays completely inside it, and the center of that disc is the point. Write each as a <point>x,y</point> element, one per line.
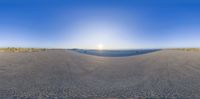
<point>115,53</point>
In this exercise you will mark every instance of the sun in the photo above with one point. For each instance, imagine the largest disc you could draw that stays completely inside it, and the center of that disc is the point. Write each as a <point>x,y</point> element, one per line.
<point>100,46</point>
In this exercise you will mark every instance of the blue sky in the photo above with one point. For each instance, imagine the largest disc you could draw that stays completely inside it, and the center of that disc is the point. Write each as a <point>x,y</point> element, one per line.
<point>115,24</point>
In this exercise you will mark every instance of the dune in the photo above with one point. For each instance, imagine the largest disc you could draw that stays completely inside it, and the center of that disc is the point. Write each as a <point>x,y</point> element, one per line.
<point>69,74</point>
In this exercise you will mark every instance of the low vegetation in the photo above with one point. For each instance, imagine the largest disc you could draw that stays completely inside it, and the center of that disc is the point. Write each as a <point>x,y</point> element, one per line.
<point>12,49</point>
<point>188,49</point>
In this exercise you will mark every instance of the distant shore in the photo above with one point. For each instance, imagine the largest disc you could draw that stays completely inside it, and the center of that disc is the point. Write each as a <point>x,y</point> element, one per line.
<point>186,49</point>
<point>21,49</point>
<point>13,49</point>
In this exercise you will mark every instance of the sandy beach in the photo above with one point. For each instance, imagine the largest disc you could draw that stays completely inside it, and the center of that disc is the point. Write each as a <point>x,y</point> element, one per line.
<point>68,74</point>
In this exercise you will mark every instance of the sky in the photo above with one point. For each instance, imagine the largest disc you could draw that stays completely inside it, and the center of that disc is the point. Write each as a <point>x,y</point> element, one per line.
<point>87,24</point>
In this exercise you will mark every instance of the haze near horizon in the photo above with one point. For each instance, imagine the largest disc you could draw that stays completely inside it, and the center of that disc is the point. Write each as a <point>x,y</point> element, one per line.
<point>100,24</point>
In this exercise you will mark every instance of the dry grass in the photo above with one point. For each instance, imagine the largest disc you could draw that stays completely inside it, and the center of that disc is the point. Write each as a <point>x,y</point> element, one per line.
<point>12,49</point>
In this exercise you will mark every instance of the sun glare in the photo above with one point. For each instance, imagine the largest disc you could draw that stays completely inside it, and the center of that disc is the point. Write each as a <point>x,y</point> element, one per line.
<point>100,46</point>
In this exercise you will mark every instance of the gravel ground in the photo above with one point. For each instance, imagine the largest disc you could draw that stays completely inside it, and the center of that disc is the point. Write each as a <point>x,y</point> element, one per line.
<point>61,74</point>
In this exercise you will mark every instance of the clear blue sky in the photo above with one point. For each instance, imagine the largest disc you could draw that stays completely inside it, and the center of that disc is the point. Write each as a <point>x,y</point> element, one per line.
<point>116,24</point>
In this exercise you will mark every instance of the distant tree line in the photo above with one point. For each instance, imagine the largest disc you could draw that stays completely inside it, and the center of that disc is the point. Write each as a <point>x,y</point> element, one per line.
<point>188,49</point>
<point>13,49</point>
